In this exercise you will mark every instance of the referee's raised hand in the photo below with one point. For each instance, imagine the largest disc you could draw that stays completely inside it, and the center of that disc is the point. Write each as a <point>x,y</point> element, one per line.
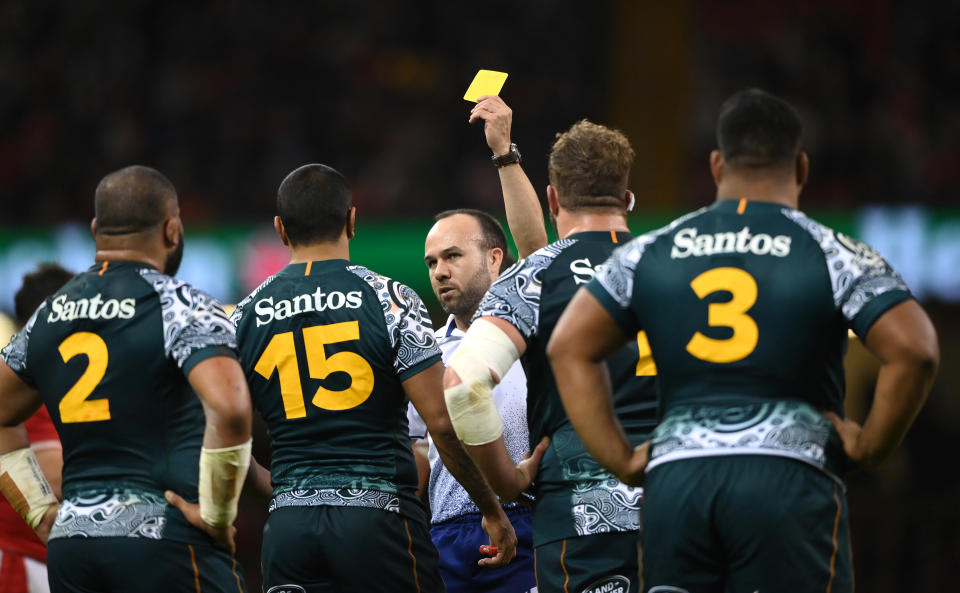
<point>497,118</point>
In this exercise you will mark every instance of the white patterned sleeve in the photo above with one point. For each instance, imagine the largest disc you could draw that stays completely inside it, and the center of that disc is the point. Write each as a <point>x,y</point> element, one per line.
<point>411,332</point>
<point>864,285</point>
<point>515,295</point>
<point>614,283</point>
<point>15,353</point>
<point>194,325</point>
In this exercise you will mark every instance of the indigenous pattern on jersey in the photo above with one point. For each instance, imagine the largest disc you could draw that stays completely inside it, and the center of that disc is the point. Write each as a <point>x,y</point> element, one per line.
<point>575,496</point>
<point>448,499</point>
<point>746,306</point>
<point>326,346</point>
<point>109,353</point>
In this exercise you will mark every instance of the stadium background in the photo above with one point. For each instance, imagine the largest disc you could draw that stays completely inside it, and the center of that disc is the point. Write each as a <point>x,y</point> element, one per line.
<point>226,98</point>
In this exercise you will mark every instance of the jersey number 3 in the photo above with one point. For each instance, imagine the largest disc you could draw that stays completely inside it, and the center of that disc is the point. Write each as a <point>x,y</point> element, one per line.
<point>281,355</point>
<point>732,314</point>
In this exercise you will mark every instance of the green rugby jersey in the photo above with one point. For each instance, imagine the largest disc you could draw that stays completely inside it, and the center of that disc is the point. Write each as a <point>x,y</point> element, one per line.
<point>574,495</point>
<point>326,346</point>
<point>746,306</point>
<point>109,353</point>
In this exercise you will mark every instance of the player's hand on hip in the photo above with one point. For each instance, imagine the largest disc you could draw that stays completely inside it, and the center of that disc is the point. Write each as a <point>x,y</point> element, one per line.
<point>636,468</point>
<point>497,118</point>
<point>191,511</point>
<point>849,432</point>
<point>46,524</point>
<point>502,536</point>
<point>527,469</point>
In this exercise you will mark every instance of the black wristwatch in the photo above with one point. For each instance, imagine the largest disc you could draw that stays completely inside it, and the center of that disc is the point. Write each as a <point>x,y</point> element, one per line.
<point>502,160</point>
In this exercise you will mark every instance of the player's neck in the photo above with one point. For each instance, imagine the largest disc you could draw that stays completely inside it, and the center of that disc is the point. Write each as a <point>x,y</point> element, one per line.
<point>775,190</point>
<point>320,251</point>
<point>569,223</point>
<point>125,254</point>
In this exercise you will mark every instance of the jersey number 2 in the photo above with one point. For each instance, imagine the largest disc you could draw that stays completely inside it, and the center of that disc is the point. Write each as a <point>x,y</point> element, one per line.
<point>281,355</point>
<point>75,407</point>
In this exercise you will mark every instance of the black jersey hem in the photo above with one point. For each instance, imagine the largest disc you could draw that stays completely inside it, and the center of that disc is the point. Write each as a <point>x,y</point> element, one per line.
<point>872,311</point>
<point>419,367</point>
<point>205,353</point>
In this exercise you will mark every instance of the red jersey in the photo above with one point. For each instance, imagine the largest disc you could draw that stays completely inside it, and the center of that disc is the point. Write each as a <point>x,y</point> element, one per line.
<point>15,534</point>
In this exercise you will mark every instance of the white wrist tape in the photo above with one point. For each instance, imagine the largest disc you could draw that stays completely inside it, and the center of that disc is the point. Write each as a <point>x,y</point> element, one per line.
<point>23,483</point>
<point>470,404</point>
<point>222,472</point>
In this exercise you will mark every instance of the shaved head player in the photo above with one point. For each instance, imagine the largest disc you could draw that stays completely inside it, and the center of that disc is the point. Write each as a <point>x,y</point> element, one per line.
<point>119,356</point>
<point>747,304</point>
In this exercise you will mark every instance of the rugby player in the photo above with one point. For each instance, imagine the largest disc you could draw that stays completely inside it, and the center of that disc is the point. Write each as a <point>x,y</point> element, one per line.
<point>22,555</point>
<point>119,355</point>
<point>333,351</point>
<point>585,522</point>
<point>746,304</point>
<point>464,252</point>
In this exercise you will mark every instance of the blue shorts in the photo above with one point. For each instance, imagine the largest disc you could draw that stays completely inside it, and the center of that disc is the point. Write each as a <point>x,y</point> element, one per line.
<point>459,541</point>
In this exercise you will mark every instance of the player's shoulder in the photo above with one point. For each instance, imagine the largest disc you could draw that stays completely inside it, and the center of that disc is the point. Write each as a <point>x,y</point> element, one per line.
<point>527,273</point>
<point>630,254</point>
<point>243,305</point>
<point>390,293</point>
<point>834,245</point>
<point>175,293</point>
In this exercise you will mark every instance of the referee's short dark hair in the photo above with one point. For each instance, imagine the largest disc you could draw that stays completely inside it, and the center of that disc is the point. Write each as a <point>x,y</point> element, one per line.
<point>37,285</point>
<point>758,130</point>
<point>491,231</point>
<point>313,203</point>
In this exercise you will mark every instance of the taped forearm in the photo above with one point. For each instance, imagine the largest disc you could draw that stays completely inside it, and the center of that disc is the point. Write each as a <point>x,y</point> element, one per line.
<point>485,350</point>
<point>222,473</point>
<point>23,483</point>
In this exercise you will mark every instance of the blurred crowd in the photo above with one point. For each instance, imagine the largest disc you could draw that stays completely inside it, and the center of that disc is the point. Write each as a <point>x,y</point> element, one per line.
<point>224,97</point>
<point>875,81</point>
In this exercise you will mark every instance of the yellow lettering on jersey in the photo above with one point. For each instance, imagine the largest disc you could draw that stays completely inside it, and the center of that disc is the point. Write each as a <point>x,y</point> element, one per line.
<point>645,365</point>
<point>75,407</point>
<point>743,288</point>
<point>281,355</point>
<point>321,366</point>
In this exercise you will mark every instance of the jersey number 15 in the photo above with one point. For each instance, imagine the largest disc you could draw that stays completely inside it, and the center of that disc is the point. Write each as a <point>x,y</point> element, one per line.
<point>280,355</point>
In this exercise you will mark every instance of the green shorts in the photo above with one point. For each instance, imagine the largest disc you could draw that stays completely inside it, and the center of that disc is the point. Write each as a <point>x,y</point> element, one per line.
<point>601,563</point>
<point>125,564</point>
<point>324,549</point>
<point>745,523</point>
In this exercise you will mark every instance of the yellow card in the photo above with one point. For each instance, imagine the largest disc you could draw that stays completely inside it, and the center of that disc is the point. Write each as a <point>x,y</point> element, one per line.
<point>486,82</point>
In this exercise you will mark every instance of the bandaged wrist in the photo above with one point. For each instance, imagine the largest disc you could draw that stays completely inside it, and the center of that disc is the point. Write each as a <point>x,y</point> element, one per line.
<point>470,404</point>
<point>222,472</point>
<point>23,483</point>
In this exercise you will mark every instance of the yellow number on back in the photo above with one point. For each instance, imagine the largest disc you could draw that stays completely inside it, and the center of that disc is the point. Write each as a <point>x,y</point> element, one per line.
<point>320,366</point>
<point>645,365</point>
<point>280,354</point>
<point>732,314</point>
<point>75,407</point>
